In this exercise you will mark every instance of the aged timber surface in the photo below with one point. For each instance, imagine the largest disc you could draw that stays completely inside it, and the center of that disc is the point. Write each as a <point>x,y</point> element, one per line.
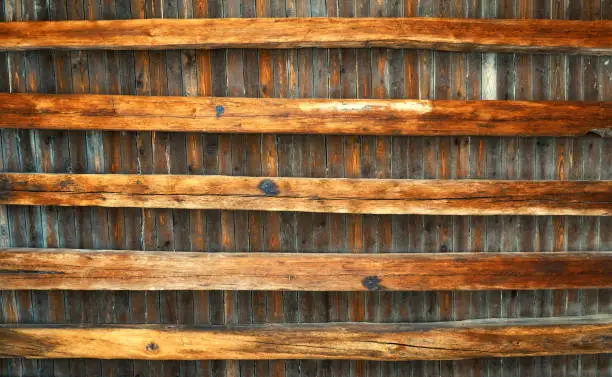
<point>586,37</point>
<point>305,116</point>
<point>380,196</point>
<point>363,341</point>
<point>70,269</point>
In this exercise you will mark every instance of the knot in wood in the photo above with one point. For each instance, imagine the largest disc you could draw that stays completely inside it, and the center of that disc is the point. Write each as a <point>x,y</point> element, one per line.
<point>151,347</point>
<point>268,187</point>
<point>219,110</point>
<point>371,283</point>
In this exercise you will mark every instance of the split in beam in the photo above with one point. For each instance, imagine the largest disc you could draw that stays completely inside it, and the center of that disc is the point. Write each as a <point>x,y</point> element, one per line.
<point>357,341</point>
<point>69,269</point>
<point>332,195</point>
<point>305,116</point>
<point>576,37</point>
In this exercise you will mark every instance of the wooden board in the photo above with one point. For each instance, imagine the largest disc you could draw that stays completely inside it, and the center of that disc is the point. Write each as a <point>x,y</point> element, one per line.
<point>70,269</point>
<point>586,37</point>
<point>363,341</point>
<point>383,196</point>
<point>304,116</point>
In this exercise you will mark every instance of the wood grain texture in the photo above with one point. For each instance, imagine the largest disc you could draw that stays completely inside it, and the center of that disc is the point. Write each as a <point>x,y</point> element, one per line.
<point>359,341</point>
<point>587,37</point>
<point>381,196</point>
<point>552,77</point>
<point>70,269</point>
<point>304,116</point>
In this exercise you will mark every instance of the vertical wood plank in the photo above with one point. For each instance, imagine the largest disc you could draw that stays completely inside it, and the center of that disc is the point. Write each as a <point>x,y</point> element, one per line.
<point>8,299</point>
<point>218,223</point>
<point>604,299</point>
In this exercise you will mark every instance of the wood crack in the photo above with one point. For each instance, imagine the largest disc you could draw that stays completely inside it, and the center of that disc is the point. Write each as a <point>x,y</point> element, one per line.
<point>479,351</point>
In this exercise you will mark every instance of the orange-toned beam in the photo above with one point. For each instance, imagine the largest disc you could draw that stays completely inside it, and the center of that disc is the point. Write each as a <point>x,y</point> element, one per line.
<point>335,195</point>
<point>304,116</point>
<point>358,341</point>
<point>48,269</point>
<point>586,37</point>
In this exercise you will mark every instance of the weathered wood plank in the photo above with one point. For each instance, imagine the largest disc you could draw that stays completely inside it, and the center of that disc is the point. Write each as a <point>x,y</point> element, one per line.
<point>74,269</point>
<point>588,37</point>
<point>381,196</point>
<point>304,116</point>
<point>360,341</point>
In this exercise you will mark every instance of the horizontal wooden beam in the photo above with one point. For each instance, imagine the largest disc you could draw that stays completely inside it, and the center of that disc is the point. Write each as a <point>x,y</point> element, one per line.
<point>587,37</point>
<point>304,116</point>
<point>363,341</point>
<point>335,195</point>
<point>49,269</point>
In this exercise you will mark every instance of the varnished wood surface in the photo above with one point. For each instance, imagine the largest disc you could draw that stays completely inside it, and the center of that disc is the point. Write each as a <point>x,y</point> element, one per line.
<point>569,36</point>
<point>49,269</point>
<point>304,116</point>
<point>358,341</point>
<point>381,196</point>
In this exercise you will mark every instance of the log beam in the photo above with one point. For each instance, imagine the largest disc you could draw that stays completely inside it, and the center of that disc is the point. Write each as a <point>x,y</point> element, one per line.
<point>335,195</point>
<point>362,341</point>
<point>304,116</point>
<point>564,36</point>
<point>69,269</point>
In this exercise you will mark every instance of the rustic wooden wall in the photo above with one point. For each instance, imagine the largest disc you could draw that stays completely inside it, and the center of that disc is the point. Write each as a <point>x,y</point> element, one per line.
<point>333,73</point>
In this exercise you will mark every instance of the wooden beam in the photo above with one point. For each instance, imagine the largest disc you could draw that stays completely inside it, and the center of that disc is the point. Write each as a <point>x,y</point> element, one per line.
<point>565,36</point>
<point>49,269</point>
<point>304,116</point>
<point>363,341</point>
<point>335,195</point>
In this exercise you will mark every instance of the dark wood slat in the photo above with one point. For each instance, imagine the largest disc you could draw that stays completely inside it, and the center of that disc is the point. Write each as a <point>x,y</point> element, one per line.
<point>380,196</point>
<point>72,269</point>
<point>589,37</point>
<point>362,341</point>
<point>304,116</point>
